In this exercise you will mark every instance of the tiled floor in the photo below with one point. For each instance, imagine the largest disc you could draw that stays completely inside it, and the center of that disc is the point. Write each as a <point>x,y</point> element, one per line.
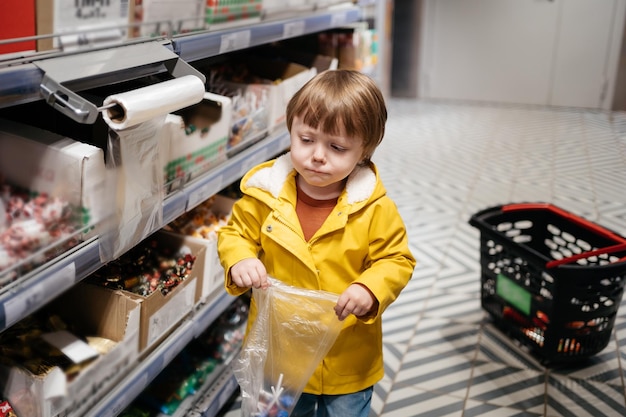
<point>442,162</point>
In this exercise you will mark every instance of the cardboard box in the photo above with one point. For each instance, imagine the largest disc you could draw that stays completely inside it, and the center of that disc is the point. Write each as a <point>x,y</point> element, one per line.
<point>71,173</point>
<point>112,317</point>
<point>43,161</point>
<point>165,17</point>
<point>275,83</point>
<point>250,103</point>
<point>286,78</point>
<point>213,276</point>
<point>354,45</point>
<point>205,287</point>
<point>81,24</point>
<point>197,138</point>
<point>161,313</point>
<point>17,20</point>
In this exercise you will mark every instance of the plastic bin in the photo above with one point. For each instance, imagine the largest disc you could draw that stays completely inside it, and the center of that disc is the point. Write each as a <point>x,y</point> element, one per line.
<point>550,279</point>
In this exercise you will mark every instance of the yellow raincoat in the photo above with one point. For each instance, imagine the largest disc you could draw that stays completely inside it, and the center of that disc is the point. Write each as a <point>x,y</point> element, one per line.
<point>363,240</point>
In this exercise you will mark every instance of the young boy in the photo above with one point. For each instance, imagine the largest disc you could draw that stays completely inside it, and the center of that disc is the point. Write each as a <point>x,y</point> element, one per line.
<point>318,217</point>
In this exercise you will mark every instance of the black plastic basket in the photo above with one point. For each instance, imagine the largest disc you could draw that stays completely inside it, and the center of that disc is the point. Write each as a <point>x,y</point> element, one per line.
<point>550,279</point>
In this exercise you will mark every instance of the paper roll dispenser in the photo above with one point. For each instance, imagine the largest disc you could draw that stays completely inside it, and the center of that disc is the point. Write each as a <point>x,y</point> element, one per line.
<point>103,67</point>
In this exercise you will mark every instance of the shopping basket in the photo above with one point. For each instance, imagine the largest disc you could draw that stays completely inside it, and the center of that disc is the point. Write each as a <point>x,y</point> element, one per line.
<point>550,279</point>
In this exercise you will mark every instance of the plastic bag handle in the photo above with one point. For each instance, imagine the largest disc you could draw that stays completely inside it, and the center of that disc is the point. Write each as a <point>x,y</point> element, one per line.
<point>579,220</point>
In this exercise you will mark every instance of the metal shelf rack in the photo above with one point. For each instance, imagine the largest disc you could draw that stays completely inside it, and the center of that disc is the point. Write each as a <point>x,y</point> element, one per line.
<point>34,78</point>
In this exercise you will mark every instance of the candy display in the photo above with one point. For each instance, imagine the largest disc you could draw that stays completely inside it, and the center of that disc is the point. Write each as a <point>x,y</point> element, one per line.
<point>200,226</point>
<point>6,410</point>
<point>225,336</point>
<point>250,102</point>
<point>30,226</point>
<point>25,345</point>
<point>265,82</point>
<point>196,364</point>
<point>202,222</point>
<point>146,268</point>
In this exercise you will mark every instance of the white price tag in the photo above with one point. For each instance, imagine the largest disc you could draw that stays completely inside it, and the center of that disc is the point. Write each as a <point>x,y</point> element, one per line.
<point>203,193</point>
<point>38,294</point>
<point>293,29</point>
<point>235,41</point>
<point>338,19</point>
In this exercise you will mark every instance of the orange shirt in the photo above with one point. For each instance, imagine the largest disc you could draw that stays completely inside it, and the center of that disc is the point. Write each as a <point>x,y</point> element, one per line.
<point>312,212</point>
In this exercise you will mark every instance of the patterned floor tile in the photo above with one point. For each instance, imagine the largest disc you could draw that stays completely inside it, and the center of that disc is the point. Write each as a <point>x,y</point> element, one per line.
<point>478,409</point>
<point>461,307</point>
<point>505,386</point>
<point>414,402</point>
<point>581,398</point>
<point>444,373</point>
<point>446,337</point>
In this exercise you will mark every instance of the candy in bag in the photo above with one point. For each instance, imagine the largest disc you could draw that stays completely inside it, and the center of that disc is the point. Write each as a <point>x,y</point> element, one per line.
<point>293,331</point>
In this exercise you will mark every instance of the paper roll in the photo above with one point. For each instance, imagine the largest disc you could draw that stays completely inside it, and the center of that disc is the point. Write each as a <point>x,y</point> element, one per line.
<point>140,105</point>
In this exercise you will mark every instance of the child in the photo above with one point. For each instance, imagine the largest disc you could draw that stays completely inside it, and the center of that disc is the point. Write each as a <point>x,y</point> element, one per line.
<point>318,217</point>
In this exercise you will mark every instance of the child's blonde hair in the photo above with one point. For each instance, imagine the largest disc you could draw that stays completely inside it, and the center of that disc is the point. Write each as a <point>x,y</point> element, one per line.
<point>342,97</point>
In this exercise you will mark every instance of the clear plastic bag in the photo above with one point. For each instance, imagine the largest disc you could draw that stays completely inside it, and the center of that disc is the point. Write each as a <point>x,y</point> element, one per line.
<point>293,331</point>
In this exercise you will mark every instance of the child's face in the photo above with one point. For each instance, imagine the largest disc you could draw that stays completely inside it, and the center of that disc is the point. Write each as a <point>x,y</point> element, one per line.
<point>323,160</point>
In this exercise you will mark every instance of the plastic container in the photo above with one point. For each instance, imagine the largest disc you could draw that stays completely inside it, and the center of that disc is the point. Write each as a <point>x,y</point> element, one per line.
<point>550,279</point>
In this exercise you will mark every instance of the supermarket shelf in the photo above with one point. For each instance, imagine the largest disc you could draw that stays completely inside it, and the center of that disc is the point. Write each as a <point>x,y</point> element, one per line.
<point>194,47</point>
<point>211,397</point>
<point>21,81</point>
<point>47,282</point>
<point>218,380</point>
<point>50,280</point>
<point>138,379</point>
<point>210,404</point>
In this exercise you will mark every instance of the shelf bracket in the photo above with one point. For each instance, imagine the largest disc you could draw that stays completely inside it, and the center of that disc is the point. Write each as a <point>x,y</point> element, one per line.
<point>64,75</point>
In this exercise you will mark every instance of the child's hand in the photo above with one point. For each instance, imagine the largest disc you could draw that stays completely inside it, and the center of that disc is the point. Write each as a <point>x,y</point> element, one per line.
<point>357,300</point>
<point>249,273</point>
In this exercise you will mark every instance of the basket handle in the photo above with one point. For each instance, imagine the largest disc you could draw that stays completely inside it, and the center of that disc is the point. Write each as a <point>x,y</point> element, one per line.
<point>579,220</point>
<point>608,249</point>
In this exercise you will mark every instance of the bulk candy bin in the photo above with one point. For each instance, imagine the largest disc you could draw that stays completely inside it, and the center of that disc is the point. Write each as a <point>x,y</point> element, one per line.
<point>551,280</point>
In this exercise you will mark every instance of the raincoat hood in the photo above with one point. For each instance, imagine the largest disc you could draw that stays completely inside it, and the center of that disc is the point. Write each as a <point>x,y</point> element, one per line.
<point>267,181</point>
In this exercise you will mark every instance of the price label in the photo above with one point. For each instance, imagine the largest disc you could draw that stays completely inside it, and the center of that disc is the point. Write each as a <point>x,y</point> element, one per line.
<point>338,19</point>
<point>37,295</point>
<point>204,192</point>
<point>293,29</point>
<point>235,41</point>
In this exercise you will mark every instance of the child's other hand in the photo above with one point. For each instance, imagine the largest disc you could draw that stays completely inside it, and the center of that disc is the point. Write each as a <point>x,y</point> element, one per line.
<point>249,273</point>
<point>357,300</point>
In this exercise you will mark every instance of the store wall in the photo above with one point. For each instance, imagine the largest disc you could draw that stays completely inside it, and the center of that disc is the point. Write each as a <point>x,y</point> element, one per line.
<point>560,52</point>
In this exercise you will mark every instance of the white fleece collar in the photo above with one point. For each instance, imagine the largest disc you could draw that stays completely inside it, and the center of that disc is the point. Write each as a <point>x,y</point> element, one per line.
<point>360,186</point>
